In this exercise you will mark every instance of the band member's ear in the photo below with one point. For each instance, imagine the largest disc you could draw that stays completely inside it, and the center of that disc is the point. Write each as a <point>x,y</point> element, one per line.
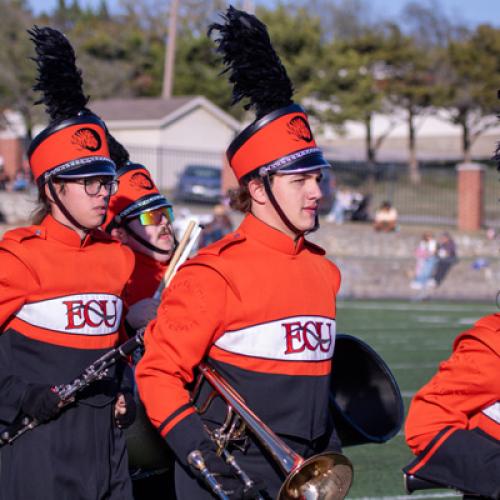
<point>257,191</point>
<point>118,233</point>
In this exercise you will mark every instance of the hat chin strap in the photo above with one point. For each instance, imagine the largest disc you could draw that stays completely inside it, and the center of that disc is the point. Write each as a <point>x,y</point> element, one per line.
<point>144,242</point>
<point>281,213</point>
<point>65,211</point>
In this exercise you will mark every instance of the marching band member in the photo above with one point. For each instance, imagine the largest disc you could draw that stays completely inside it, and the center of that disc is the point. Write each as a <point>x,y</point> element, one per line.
<point>259,304</point>
<point>60,305</point>
<point>140,217</point>
<point>453,425</point>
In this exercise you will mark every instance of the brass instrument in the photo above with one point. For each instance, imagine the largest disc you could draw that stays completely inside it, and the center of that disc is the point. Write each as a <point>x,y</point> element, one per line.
<point>326,476</point>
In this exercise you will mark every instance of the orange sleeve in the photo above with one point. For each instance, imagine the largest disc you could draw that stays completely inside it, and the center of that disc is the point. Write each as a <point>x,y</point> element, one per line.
<point>190,316</point>
<point>16,280</point>
<point>464,384</point>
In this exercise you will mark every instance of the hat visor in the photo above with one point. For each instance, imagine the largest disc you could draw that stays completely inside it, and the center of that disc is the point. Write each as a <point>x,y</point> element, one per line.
<point>307,163</point>
<point>99,167</point>
<point>147,208</point>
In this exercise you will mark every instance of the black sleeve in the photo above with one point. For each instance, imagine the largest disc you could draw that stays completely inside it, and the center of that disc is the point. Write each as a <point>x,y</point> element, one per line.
<point>186,436</point>
<point>467,460</point>
<point>12,388</point>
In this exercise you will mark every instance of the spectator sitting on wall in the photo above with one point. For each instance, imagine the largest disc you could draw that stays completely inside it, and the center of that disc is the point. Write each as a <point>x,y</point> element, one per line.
<point>359,211</point>
<point>217,228</point>
<point>426,262</point>
<point>386,217</point>
<point>343,202</point>
<point>20,182</point>
<point>446,256</point>
<point>4,179</point>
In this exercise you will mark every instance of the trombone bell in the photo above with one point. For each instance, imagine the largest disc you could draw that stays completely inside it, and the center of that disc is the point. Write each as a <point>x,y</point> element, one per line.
<point>326,476</point>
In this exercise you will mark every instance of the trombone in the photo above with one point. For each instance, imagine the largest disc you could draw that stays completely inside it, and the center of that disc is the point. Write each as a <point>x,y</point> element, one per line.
<point>326,476</point>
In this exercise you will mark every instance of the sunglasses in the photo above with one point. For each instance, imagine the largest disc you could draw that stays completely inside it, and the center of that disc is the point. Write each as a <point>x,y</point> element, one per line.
<point>154,217</point>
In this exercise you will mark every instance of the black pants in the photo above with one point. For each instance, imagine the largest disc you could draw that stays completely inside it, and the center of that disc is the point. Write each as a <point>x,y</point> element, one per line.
<point>255,461</point>
<point>81,455</point>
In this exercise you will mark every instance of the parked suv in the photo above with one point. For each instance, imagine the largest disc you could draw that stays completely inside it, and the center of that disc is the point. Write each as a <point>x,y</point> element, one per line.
<point>199,183</point>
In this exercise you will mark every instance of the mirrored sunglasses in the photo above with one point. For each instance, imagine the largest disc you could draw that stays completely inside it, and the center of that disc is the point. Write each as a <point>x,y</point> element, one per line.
<point>154,217</point>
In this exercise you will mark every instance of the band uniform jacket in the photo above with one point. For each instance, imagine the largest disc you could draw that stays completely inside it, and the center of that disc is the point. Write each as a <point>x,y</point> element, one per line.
<point>261,309</point>
<point>60,310</point>
<point>145,279</point>
<point>453,425</point>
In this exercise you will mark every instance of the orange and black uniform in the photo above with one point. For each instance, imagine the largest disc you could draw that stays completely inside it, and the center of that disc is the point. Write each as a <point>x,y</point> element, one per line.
<point>453,425</point>
<point>60,310</point>
<point>261,308</point>
<point>145,279</point>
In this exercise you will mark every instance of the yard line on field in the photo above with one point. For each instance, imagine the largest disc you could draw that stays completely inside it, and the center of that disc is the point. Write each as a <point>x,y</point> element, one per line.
<point>411,366</point>
<point>416,307</point>
<point>410,497</point>
<point>408,394</point>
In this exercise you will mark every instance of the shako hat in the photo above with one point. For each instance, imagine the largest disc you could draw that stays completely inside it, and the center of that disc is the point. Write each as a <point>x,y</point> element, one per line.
<point>280,139</point>
<point>137,193</point>
<point>74,143</point>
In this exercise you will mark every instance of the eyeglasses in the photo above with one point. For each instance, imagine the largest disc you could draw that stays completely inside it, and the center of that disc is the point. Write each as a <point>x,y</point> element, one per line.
<point>154,217</point>
<point>93,185</point>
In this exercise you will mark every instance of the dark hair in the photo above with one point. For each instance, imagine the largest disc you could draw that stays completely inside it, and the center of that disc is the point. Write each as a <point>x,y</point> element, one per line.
<point>239,198</point>
<point>43,206</point>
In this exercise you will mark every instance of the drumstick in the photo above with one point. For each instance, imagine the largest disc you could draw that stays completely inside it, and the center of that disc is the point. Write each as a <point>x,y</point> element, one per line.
<point>176,258</point>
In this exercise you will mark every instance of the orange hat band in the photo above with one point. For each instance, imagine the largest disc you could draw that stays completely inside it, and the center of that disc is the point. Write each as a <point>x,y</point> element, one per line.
<point>73,143</point>
<point>278,138</point>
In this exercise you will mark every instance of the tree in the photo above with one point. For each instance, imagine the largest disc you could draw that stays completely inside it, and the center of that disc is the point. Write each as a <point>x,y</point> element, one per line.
<point>411,84</point>
<point>18,72</point>
<point>351,81</point>
<point>473,65</point>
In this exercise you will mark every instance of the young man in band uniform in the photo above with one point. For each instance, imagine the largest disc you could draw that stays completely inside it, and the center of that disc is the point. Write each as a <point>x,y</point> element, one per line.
<point>60,305</point>
<point>258,305</point>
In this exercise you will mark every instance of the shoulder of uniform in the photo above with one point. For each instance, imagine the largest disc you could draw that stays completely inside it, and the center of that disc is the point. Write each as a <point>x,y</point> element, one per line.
<point>486,330</point>
<point>24,233</point>
<point>316,249</point>
<point>223,244</point>
<point>491,322</point>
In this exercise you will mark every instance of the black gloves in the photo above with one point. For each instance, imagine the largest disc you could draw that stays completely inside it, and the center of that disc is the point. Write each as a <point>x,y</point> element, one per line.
<point>124,420</point>
<point>40,402</point>
<point>223,473</point>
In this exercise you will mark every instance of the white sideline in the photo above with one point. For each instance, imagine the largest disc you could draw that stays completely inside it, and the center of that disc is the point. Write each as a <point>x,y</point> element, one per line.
<point>416,307</point>
<point>410,497</point>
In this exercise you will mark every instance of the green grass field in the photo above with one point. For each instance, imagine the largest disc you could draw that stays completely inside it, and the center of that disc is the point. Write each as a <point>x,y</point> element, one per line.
<point>412,338</point>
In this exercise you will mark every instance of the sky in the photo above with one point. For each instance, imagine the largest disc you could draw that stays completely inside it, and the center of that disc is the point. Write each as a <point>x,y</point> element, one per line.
<point>470,12</point>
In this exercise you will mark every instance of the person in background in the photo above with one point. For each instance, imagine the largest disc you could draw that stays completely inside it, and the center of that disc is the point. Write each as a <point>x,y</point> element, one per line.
<point>140,217</point>
<point>386,218</point>
<point>217,228</point>
<point>426,259</point>
<point>343,202</point>
<point>446,257</point>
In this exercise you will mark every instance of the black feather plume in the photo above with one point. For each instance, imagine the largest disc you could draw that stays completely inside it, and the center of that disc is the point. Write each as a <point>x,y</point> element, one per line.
<point>255,70</point>
<point>59,80</point>
<point>118,153</point>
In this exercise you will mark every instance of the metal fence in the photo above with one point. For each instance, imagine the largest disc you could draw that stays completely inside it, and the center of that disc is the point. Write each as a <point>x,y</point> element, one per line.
<point>432,201</point>
<point>165,164</point>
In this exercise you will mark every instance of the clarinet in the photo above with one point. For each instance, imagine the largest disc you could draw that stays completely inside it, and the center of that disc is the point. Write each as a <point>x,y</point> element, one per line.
<point>67,392</point>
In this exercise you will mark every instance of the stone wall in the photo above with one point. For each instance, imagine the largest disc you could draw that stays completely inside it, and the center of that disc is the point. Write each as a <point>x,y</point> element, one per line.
<point>373,265</point>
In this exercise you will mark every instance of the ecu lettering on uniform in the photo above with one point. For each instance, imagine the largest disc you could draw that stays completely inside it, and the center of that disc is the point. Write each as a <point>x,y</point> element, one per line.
<point>299,338</point>
<point>271,346</point>
<point>85,314</point>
